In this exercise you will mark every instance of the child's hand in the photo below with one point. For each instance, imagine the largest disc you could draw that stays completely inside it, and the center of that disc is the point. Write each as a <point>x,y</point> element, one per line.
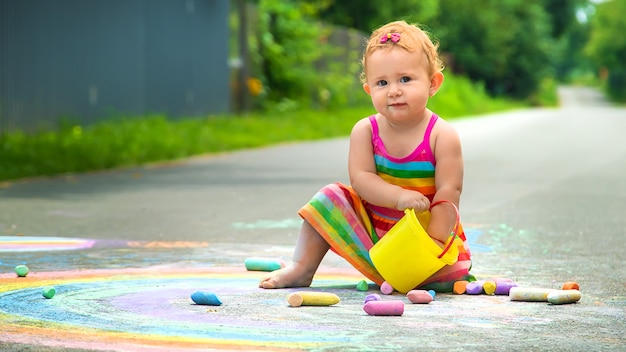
<point>412,199</point>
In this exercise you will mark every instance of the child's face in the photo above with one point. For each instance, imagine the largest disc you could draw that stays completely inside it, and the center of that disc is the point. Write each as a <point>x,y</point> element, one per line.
<point>399,83</point>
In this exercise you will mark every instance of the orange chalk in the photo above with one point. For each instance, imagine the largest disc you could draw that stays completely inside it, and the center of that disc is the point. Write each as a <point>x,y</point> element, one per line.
<point>570,285</point>
<point>459,287</point>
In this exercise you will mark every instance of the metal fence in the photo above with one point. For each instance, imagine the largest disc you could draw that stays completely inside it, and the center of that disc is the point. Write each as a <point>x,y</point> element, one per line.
<point>87,60</point>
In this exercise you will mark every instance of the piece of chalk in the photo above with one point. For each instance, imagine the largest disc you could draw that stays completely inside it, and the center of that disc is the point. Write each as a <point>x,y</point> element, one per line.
<point>529,294</point>
<point>500,279</point>
<point>474,288</point>
<point>48,292</point>
<point>263,264</point>
<point>21,270</point>
<point>394,307</point>
<point>459,287</point>
<point>419,297</point>
<point>386,289</point>
<point>570,285</point>
<point>489,287</point>
<point>432,293</point>
<point>372,297</point>
<point>205,298</point>
<point>470,278</point>
<point>503,287</point>
<point>564,296</point>
<point>312,298</point>
<point>362,285</point>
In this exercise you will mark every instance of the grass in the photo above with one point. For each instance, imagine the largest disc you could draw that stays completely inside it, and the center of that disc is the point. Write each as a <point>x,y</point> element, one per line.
<point>122,142</point>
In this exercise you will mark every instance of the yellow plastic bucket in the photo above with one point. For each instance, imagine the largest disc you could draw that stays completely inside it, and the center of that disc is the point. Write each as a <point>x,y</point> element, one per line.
<point>407,256</point>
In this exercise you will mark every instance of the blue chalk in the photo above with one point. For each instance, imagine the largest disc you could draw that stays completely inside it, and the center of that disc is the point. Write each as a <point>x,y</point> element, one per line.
<point>432,293</point>
<point>205,298</point>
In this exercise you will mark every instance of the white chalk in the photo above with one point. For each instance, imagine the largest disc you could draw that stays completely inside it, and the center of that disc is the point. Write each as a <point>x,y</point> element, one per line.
<point>529,294</point>
<point>564,296</point>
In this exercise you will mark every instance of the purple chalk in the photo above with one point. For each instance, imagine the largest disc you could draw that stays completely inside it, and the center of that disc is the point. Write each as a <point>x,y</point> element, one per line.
<point>474,288</point>
<point>372,297</point>
<point>503,288</point>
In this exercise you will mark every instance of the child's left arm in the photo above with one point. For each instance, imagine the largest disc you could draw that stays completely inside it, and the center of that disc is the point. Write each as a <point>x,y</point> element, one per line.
<point>448,180</point>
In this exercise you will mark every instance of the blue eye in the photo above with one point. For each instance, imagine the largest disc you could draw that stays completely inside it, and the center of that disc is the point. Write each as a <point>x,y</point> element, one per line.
<point>405,79</point>
<point>381,83</point>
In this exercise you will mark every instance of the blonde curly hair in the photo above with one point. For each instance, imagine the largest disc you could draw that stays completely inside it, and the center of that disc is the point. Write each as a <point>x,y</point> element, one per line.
<point>412,39</point>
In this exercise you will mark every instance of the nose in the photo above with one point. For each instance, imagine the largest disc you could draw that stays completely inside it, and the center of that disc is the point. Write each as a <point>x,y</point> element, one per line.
<point>394,90</point>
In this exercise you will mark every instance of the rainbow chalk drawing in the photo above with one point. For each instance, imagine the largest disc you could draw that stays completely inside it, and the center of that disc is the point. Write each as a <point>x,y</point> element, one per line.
<point>386,308</point>
<point>312,298</point>
<point>157,299</point>
<point>564,296</point>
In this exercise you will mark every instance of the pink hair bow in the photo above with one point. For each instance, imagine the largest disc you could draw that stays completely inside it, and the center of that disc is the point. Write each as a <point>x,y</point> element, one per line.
<point>394,37</point>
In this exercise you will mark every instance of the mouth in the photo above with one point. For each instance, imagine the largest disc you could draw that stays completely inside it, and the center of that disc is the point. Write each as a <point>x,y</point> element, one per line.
<point>397,105</point>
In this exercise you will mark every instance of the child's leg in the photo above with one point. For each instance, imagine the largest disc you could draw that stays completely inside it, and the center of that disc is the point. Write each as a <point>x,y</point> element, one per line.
<point>309,252</point>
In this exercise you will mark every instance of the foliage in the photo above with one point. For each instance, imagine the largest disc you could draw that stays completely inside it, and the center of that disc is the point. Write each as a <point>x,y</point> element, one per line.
<point>366,15</point>
<point>607,45</point>
<point>140,140</point>
<point>505,44</point>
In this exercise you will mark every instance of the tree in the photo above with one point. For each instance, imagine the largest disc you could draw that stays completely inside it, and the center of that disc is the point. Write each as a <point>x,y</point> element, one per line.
<point>504,43</point>
<point>367,15</point>
<point>607,45</point>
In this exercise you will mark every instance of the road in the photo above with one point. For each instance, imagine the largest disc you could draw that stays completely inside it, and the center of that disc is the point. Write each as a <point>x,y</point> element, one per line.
<point>543,203</point>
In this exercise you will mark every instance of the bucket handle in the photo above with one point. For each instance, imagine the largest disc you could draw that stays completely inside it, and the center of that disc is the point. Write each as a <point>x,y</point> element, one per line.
<point>455,230</point>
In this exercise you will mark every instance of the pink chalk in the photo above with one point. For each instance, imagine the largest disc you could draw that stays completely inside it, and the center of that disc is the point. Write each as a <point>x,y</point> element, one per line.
<point>419,296</point>
<point>386,289</point>
<point>474,288</point>
<point>395,307</point>
<point>503,287</point>
<point>372,297</point>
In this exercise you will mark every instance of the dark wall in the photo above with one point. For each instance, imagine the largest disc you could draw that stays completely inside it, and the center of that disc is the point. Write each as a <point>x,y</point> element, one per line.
<point>91,59</point>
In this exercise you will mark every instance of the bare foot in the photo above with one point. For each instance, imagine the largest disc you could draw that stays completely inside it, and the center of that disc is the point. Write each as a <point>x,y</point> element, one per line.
<point>291,276</point>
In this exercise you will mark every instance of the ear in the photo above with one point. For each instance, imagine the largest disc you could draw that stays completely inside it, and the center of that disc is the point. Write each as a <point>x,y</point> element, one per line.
<point>435,83</point>
<point>366,88</point>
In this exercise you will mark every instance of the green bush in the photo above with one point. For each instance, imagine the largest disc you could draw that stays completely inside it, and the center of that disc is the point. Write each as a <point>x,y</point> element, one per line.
<point>130,141</point>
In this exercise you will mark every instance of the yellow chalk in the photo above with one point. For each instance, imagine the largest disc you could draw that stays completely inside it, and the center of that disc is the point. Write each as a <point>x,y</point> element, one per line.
<point>311,298</point>
<point>489,287</point>
<point>564,296</point>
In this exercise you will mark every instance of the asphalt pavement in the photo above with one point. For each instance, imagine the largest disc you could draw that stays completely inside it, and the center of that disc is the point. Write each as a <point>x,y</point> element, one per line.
<point>543,203</point>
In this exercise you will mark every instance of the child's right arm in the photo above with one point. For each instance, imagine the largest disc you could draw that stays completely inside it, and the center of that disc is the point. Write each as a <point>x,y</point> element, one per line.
<point>366,182</point>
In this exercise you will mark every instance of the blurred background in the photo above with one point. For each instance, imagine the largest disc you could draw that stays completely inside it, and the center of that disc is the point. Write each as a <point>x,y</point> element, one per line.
<point>97,84</point>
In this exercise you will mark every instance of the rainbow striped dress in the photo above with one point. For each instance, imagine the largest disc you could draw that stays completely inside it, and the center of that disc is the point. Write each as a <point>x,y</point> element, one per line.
<point>351,226</point>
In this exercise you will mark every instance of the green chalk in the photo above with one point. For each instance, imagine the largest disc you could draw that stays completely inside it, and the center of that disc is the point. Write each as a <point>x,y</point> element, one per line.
<point>263,264</point>
<point>21,270</point>
<point>362,286</point>
<point>48,292</point>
